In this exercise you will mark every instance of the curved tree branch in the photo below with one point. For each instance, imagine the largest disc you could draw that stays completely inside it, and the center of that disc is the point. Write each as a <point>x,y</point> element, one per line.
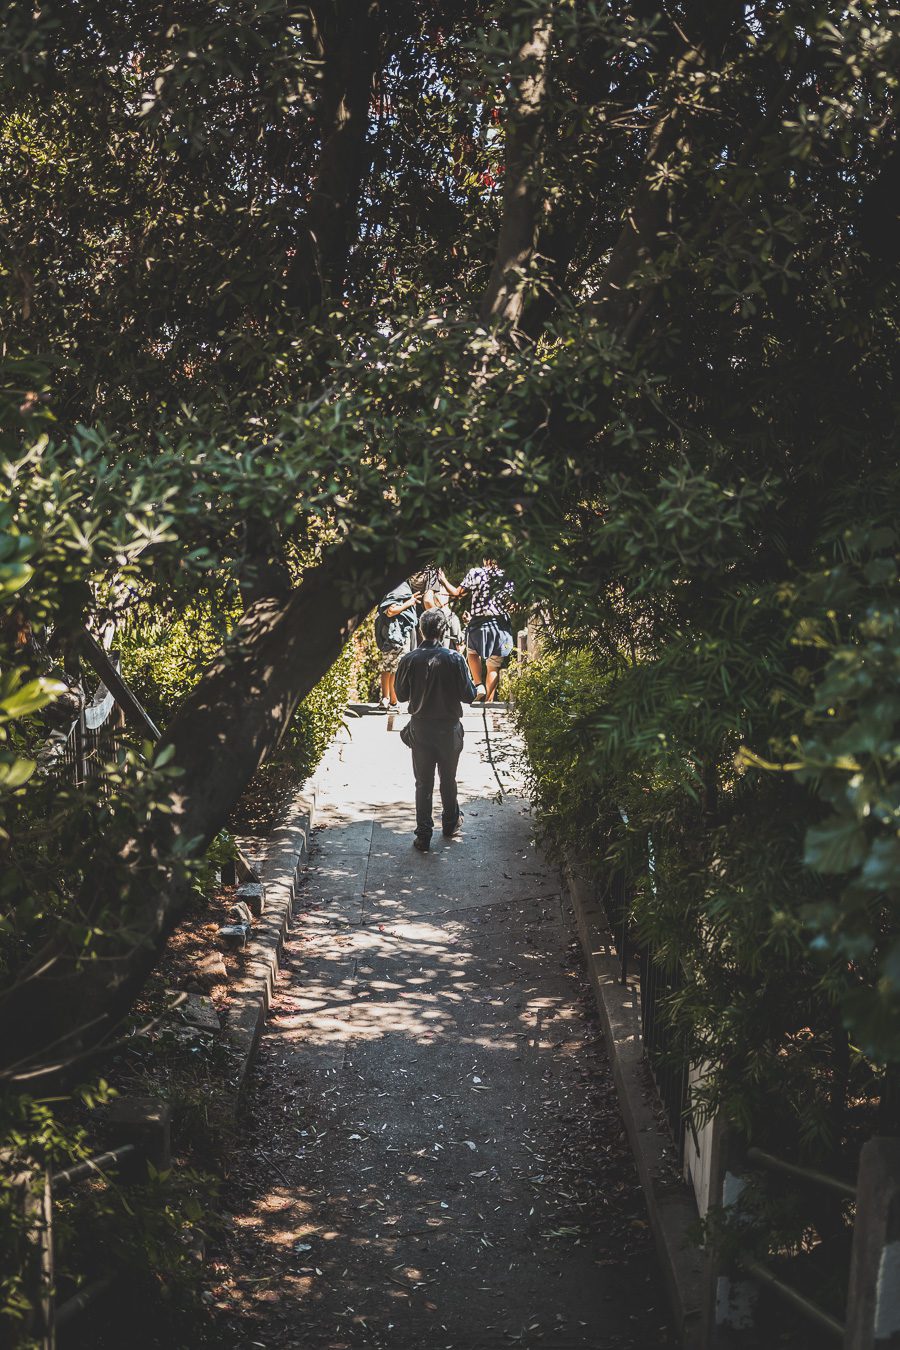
<point>346,35</point>
<point>504,298</point>
<point>224,730</point>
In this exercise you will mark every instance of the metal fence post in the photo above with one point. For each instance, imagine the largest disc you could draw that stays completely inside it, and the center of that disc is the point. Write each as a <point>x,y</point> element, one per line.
<point>79,737</point>
<point>873,1302</point>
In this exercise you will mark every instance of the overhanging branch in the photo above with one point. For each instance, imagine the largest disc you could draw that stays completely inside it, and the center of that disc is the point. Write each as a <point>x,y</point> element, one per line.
<point>224,730</point>
<point>504,298</point>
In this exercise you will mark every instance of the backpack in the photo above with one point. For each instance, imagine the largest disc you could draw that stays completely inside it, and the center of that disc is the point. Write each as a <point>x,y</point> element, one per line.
<point>382,632</point>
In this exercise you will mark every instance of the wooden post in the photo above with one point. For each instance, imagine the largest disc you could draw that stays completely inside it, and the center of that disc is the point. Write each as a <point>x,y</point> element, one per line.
<point>37,1265</point>
<point>873,1302</point>
<point>730,1303</point>
<point>146,1123</point>
<point>535,635</point>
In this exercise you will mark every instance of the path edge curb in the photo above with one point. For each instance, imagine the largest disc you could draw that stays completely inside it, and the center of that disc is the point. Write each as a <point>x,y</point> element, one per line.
<point>670,1205</point>
<point>279,866</point>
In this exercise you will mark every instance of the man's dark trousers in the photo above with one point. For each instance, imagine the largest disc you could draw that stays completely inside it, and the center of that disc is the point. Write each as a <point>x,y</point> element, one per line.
<point>436,743</point>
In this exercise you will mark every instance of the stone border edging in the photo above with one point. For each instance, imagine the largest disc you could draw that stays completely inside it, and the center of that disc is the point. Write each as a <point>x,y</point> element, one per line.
<point>250,996</point>
<point>670,1205</point>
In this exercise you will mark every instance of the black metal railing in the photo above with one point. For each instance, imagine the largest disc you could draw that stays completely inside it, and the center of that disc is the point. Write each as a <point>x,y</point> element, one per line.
<point>667,1055</point>
<point>78,755</point>
<point>83,752</point>
<point>617,905</point>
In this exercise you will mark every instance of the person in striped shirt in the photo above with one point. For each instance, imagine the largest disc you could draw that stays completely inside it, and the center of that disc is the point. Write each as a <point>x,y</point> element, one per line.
<point>489,639</point>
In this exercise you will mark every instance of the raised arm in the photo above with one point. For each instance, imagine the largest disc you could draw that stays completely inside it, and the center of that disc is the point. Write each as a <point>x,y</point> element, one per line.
<point>455,591</point>
<point>393,610</point>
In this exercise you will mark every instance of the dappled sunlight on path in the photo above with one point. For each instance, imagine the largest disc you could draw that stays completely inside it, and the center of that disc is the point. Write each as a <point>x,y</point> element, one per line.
<point>433,1154</point>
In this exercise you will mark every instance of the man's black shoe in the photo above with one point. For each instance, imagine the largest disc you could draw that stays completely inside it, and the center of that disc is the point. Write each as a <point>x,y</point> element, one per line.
<point>423,845</point>
<point>448,834</point>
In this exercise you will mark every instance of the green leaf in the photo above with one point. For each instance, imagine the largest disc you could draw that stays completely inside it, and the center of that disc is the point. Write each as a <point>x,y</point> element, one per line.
<point>881,871</point>
<point>15,575</point>
<point>30,697</point>
<point>16,773</point>
<point>837,845</point>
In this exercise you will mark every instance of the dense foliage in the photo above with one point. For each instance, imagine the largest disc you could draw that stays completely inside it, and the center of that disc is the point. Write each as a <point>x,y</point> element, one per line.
<point>611,288</point>
<point>761,999</point>
<point>164,659</point>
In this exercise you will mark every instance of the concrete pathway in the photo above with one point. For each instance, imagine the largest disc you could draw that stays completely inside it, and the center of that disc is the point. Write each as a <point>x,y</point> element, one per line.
<point>433,1154</point>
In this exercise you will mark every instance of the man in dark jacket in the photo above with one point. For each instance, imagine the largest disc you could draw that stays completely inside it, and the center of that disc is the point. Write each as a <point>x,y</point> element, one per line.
<point>435,681</point>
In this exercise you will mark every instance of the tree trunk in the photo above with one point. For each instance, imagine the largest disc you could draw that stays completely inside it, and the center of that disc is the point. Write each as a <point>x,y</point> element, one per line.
<point>504,298</point>
<point>346,33</point>
<point>233,719</point>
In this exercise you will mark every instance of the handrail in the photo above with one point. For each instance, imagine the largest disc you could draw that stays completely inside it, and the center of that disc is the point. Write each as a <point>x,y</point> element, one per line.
<point>66,1311</point>
<point>147,1124</point>
<point>770,1163</point>
<point>91,1166</point>
<point>100,660</point>
<point>798,1301</point>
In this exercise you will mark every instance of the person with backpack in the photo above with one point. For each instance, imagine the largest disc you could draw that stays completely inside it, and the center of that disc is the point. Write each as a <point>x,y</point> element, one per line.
<point>395,625</point>
<point>436,595</point>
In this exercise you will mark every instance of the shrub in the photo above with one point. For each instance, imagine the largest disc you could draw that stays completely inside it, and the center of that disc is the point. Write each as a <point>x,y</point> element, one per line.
<point>366,662</point>
<point>755,1005</point>
<point>163,659</point>
<point>320,714</point>
<point>553,698</point>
